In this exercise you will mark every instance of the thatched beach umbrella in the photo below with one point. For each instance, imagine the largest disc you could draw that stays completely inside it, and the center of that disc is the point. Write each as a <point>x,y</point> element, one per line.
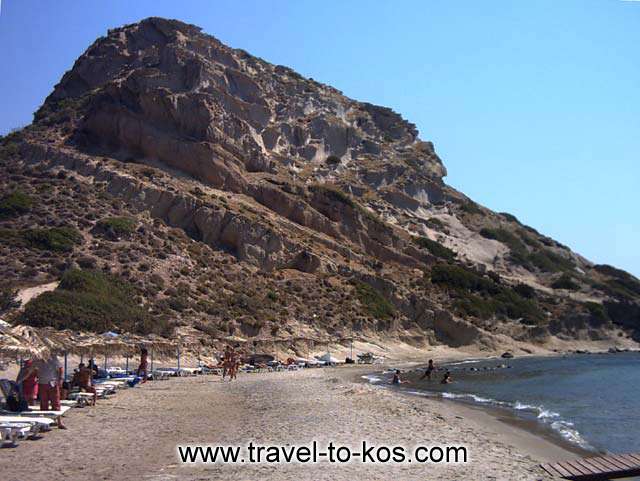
<point>37,339</point>
<point>15,347</point>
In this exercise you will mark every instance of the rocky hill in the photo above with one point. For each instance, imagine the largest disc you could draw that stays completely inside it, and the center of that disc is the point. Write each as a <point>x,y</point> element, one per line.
<point>171,183</point>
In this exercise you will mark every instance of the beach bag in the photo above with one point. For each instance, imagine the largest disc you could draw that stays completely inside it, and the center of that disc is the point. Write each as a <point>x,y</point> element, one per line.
<point>15,402</point>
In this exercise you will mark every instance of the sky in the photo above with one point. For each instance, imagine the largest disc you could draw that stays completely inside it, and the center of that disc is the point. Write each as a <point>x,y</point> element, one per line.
<point>534,106</point>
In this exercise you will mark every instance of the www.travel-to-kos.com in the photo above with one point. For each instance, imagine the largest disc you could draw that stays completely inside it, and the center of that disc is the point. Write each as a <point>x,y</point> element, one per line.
<point>313,453</point>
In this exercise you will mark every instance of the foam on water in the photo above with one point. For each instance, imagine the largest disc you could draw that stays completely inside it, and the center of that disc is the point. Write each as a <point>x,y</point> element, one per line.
<point>550,418</point>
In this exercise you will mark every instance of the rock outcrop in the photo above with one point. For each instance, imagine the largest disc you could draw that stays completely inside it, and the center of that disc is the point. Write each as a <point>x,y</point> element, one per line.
<point>297,183</point>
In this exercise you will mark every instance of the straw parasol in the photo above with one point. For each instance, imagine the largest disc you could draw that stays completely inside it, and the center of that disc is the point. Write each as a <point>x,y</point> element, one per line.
<point>157,344</point>
<point>12,346</point>
<point>39,341</point>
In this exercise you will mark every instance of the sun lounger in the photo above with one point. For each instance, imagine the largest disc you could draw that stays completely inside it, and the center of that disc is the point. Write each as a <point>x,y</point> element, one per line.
<point>11,432</point>
<point>161,375</point>
<point>83,398</point>
<point>34,411</point>
<point>43,423</point>
<point>61,412</point>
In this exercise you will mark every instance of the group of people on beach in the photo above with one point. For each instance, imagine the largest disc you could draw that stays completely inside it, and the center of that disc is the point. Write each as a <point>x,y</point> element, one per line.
<point>230,363</point>
<point>446,378</point>
<point>43,379</point>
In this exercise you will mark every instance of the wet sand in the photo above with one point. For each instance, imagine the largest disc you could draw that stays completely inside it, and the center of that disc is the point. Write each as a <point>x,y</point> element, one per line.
<point>133,435</point>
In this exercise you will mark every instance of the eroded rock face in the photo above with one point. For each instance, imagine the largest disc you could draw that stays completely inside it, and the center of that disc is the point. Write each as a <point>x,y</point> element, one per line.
<point>289,175</point>
<point>163,90</point>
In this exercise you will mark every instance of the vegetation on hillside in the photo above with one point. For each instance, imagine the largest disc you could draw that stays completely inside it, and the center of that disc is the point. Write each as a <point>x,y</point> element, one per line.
<point>435,248</point>
<point>92,300</point>
<point>56,239</point>
<point>483,297</point>
<point>565,281</point>
<point>14,204</point>
<point>120,226</point>
<point>373,301</point>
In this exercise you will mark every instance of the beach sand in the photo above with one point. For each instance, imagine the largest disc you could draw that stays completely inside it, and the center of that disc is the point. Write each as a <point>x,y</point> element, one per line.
<point>133,435</point>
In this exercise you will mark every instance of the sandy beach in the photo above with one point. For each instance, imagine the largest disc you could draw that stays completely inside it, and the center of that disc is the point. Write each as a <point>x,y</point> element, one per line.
<point>133,435</point>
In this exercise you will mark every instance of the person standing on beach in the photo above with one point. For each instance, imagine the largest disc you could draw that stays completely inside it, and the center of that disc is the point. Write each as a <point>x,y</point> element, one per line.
<point>143,368</point>
<point>429,370</point>
<point>236,364</point>
<point>227,358</point>
<point>29,383</point>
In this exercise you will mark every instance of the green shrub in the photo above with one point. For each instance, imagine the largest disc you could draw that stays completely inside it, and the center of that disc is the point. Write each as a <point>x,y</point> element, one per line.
<point>622,280</point>
<point>373,301</point>
<point>436,224</point>
<point>8,299</point>
<point>525,291</point>
<point>509,217</point>
<point>504,236</point>
<point>481,297</point>
<point>457,277</point>
<point>506,304</point>
<point>14,204</point>
<point>565,281</point>
<point>334,194</point>
<point>93,301</point>
<point>549,261</point>
<point>118,225</point>
<point>475,306</point>
<point>8,150</point>
<point>177,303</point>
<point>435,248</point>
<point>57,239</point>
<point>597,311</point>
<point>470,207</point>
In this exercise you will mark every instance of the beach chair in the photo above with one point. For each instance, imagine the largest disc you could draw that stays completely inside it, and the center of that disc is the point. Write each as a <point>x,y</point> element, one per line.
<point>11,432</point>
<point>36,409</point>
<point>41,423</point>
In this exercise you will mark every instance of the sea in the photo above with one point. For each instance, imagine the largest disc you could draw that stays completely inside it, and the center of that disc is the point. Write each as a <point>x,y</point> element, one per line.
<point>589,400</point>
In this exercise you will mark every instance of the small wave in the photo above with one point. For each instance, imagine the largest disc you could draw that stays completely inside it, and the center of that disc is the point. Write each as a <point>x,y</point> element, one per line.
<point>550,418</point>
<point>570,434</point>
<point>473,397</point>
<point>468,361</point>
<point>422,393</point>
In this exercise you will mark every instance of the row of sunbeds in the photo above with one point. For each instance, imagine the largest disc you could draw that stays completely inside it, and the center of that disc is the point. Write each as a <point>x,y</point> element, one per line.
<point>30,424</point>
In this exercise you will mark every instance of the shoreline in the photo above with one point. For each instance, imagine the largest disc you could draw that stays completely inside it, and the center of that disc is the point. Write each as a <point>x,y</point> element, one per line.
<point>531,437</point>
<point>501,414</point>
<point>133,435</point>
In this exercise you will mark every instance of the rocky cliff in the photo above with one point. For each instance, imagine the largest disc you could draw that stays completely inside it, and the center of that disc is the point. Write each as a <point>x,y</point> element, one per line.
<point>237,197</point>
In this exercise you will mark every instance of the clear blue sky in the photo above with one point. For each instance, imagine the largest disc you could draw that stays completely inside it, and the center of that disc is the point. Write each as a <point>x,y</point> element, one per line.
<point>534,106</point>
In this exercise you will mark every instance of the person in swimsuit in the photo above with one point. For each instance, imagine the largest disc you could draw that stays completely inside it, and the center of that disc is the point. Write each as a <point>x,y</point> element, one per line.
<point>428,371</point>
<point>227,358</point>
<point>29,383</point>
<point>396,377</point>
<point>143,368</point>
<point>84,382</point>
<point>446,378</point>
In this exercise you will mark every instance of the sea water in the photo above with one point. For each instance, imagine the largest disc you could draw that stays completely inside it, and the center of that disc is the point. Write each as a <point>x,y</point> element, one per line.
<point>590,400</point>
